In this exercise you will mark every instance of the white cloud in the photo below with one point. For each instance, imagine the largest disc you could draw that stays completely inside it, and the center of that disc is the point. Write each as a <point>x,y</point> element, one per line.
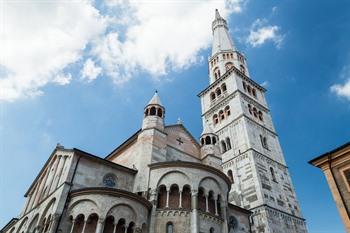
<point>343,90</point>
<point>62,79</point>
<point>42,40</point>
<point>261,33</point>
<point>39,40</point>
<point>90,71</point>
<point>265,84</point>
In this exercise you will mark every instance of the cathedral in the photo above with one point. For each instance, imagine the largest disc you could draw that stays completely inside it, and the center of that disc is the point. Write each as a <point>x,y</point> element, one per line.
<point>164,180</point>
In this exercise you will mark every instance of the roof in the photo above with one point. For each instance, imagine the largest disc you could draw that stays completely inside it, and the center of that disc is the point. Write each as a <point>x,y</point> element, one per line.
<point>155,100</point>
<point>239,208</point>
<point>313,161</point>
<point>127,142</point>
<point>9,225</point>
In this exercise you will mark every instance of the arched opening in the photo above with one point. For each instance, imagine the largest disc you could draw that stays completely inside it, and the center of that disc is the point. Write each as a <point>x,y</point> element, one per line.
<point>214,140</point>
<point>161,203</point>
<point>242,69</point>
<point>146,112</point>
<point>131,228</point>
<point>202,141</point>
<point>230,175</point>
<point>91,224</point>
<point>212,96</point>
<point>222,115</point>
<point>207,140</point>
<point>109,225</point>
<point>211,202</point>
<point>254,92</point>
<point>249,89</point>
<point>174,197</point>
<point>223,87</point>
<point>227,111</point>
<point>120,228</point>
<point>79,224</point>
<point>169,227</point>
<point>152,111</point>
<point>273,174</point>
<point>211,230</point>
<point>255,112</point>
<point>244,86</point>
<point>260,116</point>
<point>218,91</point>
<point>159,112</point>
<point>186,197</point>
<point>201,200</point>
<point>33,224</point>
<point>216,72</point>
<point>215,119</point>
<point>223,147</point>
<point>144,228</point>
<point>250,108</point>
<point>218,201</point>
<point>224,56</point>
<point>47,224</point>
<point>228,143</point>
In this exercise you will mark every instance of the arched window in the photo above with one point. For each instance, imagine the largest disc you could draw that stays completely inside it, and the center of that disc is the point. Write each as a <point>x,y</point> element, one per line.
<point>169,227</point>
<point>91,224</point>
<point>224,56</point>
<point>218,201</point>
<point>242,69</point>
<point>211,230</point>
<point>223,147</point>
<point>227,111</point>
<point>255,112</point>
<point>228,65</point>
<point>230,175</point>
<point>222,115</point>
<point>152,111</point>
<point>212,96</point>
<point>249,89</point>
<point>254,92</point>
<point>228,143</point>
<point>273,174</point>
<point>218,92</point>
<point>223,87</point>
<point>215,119</point>
<point>160,112</point>
<point>161,197</point>
<point>174,197</point>
<point>186,197</point>
<point>213,140</point>
<point>250,108</point>
<point>131,227</point>
<point>146,112</point>
<point>244,86</point>
<point>216,72</point>
<point>264,142</point>
<point>260,116</point>
<point>211,202</point>
<point>201,200</point>
<point>207,140</point>
<point>202,141</point>
<point>79,223</point>
<point>109,224</point>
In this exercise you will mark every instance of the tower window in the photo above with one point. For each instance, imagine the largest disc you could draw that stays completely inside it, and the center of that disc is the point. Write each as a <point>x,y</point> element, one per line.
<point>254,92</point>
<point>218,91</point>
<point>264,142</point>
<point>260,116</point>
<point>249,89</point>
<point>227,111</point>
<point>223,147</point>
<point>169,227</point>
<point>159,112</point>
<point>255,112</point>
<point>244,86</point>
<point>213,140</point>
<point>230,175</point>
<point>273,174</point>
<point>152,111</point>
<point>224,56</point>
<point>228,143</point>
<point>222,115</point>
<point>228,65</point>
<point>223,87</point>
<point>215,119</point>
<point>242,69</point>
<point>250,108</point>
<point>212,96</point>
<point>207,140</point>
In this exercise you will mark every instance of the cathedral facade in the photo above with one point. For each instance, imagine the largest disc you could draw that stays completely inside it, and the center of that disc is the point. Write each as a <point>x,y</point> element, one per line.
<point>162,180</point>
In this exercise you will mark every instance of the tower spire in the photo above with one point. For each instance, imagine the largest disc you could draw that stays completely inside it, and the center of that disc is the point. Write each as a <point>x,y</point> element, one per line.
<point>221,37</point>
<point>154,113</point>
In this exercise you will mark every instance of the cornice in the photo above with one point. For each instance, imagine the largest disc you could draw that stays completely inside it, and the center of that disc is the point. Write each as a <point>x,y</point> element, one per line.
<point>112,192</point>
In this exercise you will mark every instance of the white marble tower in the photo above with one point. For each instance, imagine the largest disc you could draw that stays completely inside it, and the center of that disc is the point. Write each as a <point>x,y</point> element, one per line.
<point>234,106</point>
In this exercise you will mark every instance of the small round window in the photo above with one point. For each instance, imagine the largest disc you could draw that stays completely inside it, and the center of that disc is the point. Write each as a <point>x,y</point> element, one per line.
<point>109,180</point>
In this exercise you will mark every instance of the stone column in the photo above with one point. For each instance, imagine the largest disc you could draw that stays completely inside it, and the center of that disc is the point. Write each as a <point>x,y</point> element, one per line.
<point>73,224</point>
<point>216,207</point>
<point>180,199</point>
<point>224,216</point>
<point>167,199</point>
<point>100,226</point>
<point>84,226</point>
<point>194,212</point>
<point>54,224</point>
<point>206,203</point>
<point>115,227</point>
<point>153,200</point>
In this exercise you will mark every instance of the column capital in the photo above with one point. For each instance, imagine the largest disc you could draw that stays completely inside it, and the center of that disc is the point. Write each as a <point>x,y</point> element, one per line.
<point>101,220</point>
<point>194,192</point>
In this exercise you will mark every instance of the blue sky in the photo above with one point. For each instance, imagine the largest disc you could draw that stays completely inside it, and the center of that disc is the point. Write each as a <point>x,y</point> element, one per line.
<point>84,83</point>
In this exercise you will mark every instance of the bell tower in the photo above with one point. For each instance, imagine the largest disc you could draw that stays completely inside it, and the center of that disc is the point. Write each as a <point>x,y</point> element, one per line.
<point>234,105</point>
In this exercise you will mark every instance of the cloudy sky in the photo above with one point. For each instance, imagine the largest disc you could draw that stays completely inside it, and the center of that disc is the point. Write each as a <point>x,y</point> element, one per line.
<point>80,73</point>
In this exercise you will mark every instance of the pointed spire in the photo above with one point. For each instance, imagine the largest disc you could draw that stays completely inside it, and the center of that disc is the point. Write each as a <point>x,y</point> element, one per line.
<point>207,129</point>
<point>155,100</point>
<point>221,38</point>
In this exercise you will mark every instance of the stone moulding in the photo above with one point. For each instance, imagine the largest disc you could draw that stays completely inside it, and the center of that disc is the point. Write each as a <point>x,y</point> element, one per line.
<point>112,192</point>
<point>191,165</point>
<point>173,212</point>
